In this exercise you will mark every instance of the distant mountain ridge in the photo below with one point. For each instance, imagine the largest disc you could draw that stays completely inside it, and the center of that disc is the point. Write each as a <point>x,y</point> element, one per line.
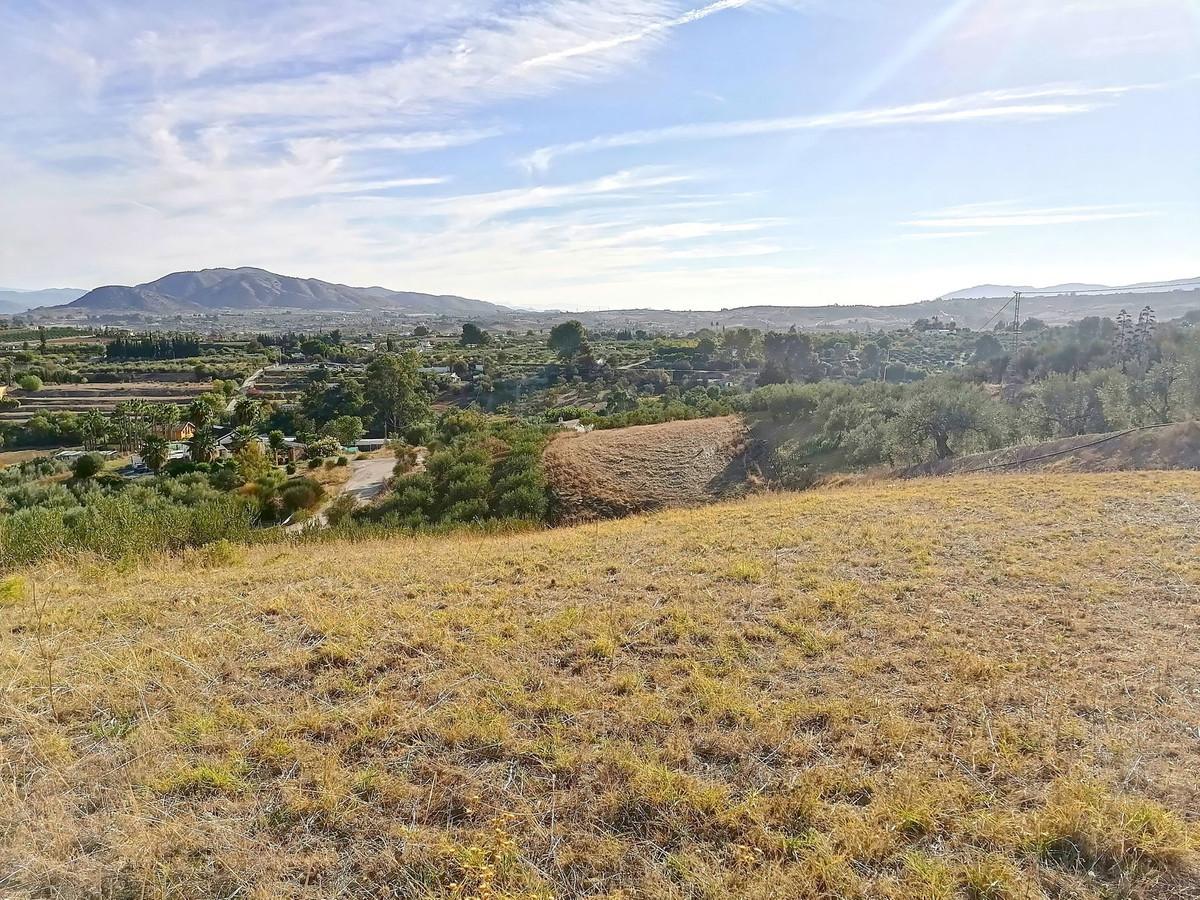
<point>250,289</point>
<point>998,291</point>
<point>13,301</point>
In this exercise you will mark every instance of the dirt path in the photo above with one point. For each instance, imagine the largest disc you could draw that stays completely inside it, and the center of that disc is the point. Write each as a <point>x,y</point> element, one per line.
<point>368,480</point>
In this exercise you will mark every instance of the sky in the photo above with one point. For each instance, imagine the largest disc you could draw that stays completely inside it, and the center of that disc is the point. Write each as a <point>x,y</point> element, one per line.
<point>584,154</point>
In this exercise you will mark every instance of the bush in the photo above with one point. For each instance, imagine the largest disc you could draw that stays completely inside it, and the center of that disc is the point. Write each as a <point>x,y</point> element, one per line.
<point>301,493</point>
<point>29,383</point>
<point>127,525</point>
<point>342,461</point>
<point>314,463</point>
<point>340,510</point>
<point>87,466</point>
<point>290,468</point>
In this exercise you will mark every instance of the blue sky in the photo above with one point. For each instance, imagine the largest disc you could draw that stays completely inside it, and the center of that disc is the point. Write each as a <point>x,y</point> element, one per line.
<point>585,154</point>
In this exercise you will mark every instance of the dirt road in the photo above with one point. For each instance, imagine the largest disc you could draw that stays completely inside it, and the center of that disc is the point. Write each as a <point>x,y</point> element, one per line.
<point>368,480</point>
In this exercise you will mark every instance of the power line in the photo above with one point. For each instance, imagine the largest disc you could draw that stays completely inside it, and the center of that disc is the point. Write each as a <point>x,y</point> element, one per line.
<point>998,313</point>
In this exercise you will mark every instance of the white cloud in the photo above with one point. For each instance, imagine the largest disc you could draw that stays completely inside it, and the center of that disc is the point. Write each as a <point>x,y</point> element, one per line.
<point>972,218</point>
<point>650,30</point>
<point>1045,102</point>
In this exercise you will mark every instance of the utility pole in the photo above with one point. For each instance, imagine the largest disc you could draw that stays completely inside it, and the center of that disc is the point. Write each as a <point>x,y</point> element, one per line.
<point>1016,323</point>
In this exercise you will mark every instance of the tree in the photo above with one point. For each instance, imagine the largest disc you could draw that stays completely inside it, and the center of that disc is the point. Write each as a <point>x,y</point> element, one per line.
<point>203,411</point>
<point>276,440</point>
<point>203,445</point>
<point>87,466</point>
<point>987,347</point>
<point>29,383</point>
<point>125,425</point>
<point>248,411</point>
<point>252,462</point>
<point>163,415</point>
<point>473,335</point>
<point>421,331</point>
<point>870,355</point>
<point>1159,392</point>
<point>942,415</point>
<point>93,429</point>
<point>323,448</point>
<point>568,338</point>
<point>325,401</point>
<point>346,429</point>
<point>792,355</point>
<point>243,436</point>
<point>155,452</point>
<point>394,387</point>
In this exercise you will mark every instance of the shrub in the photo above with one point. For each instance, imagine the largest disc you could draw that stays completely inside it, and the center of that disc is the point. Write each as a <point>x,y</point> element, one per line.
<point>314,463</point>
<point>342,461</point>
<point>127,525</point>
<point>340,510</point>
<point>301,493</point>
<point>87,466</point>
<point>29,383</point>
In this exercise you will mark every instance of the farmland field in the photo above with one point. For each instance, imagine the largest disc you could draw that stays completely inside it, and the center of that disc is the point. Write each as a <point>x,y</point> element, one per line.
<point>100,396</point>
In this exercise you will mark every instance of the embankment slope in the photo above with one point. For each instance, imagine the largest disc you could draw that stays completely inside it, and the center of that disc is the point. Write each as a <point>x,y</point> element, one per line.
<point>608,474</point>
<point>1164,447</point>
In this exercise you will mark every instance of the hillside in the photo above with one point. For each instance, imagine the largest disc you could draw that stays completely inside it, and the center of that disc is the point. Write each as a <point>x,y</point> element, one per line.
<point>249,289</point>
<point>613,473</point>
<point>976,687</point>
<point>1174,446</point>
<point>969,311</point>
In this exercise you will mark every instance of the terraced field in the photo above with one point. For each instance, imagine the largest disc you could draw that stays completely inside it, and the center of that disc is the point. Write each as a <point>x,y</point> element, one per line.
<point>103,397</point>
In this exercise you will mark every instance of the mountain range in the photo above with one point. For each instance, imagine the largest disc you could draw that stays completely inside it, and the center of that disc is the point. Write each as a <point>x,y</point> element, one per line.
<point>249,290</point>
<point>13,301</point>
<point>1003,291</point>
<point>258,291</point>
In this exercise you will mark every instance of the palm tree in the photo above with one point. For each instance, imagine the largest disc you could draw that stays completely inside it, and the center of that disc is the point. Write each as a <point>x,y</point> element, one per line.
<point>163,416</point>
<point>124,428</point>
<point>203,445</point>
<point>155,452</point>
<point>200,413</point>
<point>250,411</point>
<point>93,429</point>
<point>242,437</point>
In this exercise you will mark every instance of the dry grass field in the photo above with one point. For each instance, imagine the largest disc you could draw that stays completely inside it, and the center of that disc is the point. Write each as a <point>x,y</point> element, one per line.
<point>606,474</point>
<point>958,688</point>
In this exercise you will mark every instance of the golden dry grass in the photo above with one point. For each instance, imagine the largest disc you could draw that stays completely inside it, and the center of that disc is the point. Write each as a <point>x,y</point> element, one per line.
<point>606,474</point>
<point>967,687</point>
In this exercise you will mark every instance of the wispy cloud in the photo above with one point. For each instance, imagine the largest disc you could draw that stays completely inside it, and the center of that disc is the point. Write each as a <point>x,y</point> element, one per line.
<point>651,30</point>
<point>969,219</point>
<point>1025,104</point>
